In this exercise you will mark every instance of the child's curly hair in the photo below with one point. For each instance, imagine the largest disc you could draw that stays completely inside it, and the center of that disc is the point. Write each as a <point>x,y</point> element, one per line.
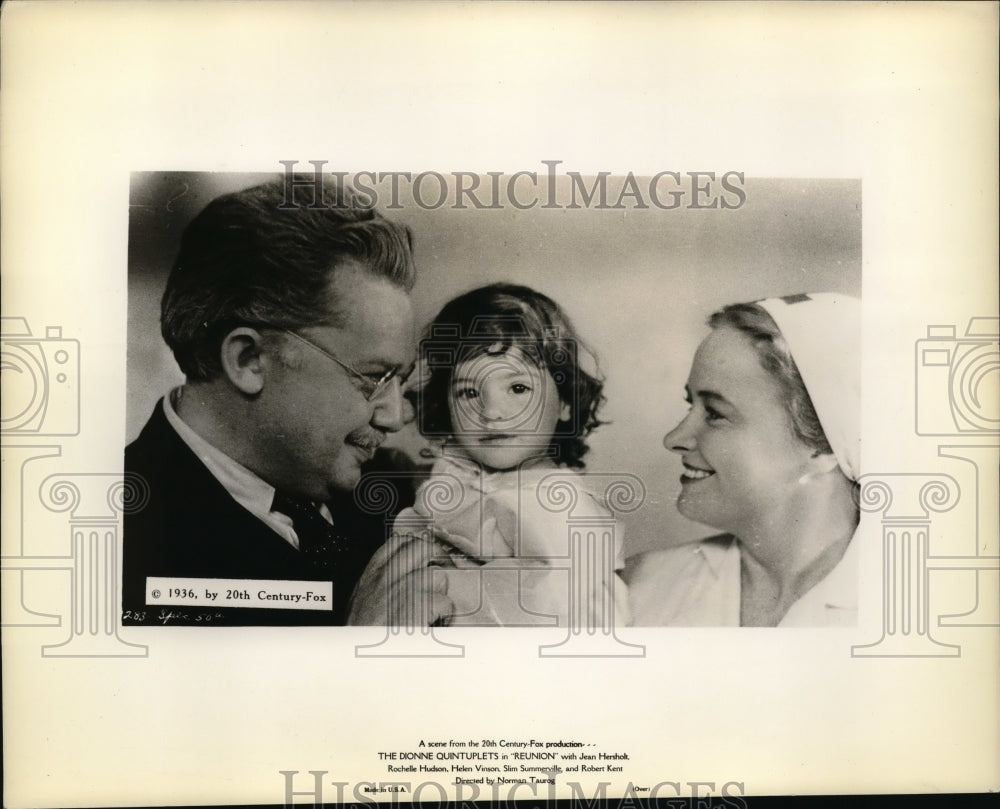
<point>491,320</point>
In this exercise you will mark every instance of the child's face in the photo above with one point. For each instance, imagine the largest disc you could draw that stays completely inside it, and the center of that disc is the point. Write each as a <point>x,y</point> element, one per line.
<point>504,409</point>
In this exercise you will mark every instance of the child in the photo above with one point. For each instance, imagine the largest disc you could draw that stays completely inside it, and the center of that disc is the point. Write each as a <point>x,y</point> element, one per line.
<point>511,405</point>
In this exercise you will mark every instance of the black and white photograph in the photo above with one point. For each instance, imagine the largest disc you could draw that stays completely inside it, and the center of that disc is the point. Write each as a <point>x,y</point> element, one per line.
<point>544,403</point>
<point>484,368</point>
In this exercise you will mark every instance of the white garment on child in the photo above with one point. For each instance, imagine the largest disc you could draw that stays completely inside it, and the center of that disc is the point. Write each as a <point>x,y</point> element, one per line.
<point>509,549</point>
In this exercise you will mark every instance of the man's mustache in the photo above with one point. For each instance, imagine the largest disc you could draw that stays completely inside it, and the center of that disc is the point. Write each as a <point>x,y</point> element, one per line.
<point>366,438</point>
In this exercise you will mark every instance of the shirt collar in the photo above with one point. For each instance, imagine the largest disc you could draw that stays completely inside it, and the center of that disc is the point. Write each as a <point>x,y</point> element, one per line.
<point>839,588</point>
<point>718,553</point>
<point>244,486</point>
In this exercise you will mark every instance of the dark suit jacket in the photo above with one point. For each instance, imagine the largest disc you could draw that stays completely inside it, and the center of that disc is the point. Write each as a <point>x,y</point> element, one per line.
<point>190,526</point>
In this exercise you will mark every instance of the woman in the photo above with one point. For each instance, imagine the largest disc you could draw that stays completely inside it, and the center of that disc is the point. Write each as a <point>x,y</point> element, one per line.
<point>770,452</point>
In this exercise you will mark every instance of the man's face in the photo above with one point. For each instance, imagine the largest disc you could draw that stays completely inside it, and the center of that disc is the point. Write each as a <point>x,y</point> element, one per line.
<point>316,423</point>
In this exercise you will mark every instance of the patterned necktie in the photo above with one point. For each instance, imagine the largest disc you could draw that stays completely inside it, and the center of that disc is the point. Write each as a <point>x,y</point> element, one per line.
<point>319,543</point>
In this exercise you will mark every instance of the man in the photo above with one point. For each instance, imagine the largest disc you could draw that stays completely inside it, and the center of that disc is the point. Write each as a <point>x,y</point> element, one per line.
<point>288,311</point>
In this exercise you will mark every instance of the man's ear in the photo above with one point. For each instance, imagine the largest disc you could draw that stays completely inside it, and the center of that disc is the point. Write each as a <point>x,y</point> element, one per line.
<point>242,359</point>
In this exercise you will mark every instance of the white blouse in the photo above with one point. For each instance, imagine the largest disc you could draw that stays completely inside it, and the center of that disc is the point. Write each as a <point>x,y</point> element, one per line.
<point>699,585</point>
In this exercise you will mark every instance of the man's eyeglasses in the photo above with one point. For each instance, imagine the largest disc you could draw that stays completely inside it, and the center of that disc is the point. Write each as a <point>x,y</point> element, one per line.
<point>371,385</point>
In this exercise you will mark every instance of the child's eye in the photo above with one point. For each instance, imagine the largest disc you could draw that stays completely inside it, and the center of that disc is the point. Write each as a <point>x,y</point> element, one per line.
<point>465,393</point>
<point>519,387</point>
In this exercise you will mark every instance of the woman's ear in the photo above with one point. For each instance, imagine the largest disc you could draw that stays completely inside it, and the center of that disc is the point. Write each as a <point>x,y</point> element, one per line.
<point>242,359</point>
<point>566,413</point>
<point>820,464</point>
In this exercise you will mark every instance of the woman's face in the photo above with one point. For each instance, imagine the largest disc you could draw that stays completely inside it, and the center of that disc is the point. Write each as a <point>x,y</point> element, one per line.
<point>741,458</point>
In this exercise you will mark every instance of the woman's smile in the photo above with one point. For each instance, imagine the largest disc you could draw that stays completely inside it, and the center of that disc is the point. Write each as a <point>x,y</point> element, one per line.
<point>693,473</point>
<point>736,430</point>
